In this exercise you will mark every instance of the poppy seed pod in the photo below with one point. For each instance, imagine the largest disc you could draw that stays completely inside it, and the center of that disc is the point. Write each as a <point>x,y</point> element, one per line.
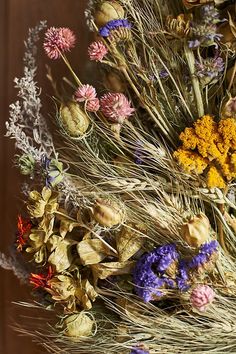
<point>107,11</point>
<point>73,119</point>
<point>106,213</point>
<point>196,231</point>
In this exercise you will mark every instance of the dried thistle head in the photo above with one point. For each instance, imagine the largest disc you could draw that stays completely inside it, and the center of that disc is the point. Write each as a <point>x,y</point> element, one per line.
<point>179,26</point>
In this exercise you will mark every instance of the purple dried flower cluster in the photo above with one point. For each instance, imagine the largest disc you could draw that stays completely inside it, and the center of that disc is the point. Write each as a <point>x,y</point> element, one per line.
<point>113,25</point>
<point>204,33</point>
<point>210,67</point>
<point>137,350</point>
<point>204,254</point>
<point>150,274</point>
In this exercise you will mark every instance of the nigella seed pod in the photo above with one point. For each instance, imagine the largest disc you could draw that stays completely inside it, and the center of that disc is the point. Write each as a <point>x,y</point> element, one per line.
<point>106,213</point>
<point>196,231</point>
<point>73,119</point>
<point>26,164</point>
<point>78,325</point>
<point>107,11</point>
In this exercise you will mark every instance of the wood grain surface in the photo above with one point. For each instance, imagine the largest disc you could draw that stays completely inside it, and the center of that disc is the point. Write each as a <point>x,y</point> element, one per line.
<point>16,16</point>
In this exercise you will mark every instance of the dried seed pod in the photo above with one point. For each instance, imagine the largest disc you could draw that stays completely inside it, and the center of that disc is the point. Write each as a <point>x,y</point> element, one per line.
<point>196,231</point>
<point>107,214</point>
<point>191,3</point>
<point>107,11</point>
<point>113,83</point>
<point>78,325</point>
<point>73,119</point>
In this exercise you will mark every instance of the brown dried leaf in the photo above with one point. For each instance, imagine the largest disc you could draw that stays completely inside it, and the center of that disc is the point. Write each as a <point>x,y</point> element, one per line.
<point>128,243</point>
<point>92,251</point>
<point>104,270</point>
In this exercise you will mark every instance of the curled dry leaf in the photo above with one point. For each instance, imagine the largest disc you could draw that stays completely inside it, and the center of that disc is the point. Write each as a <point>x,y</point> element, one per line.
<point>104,270</point>
<point>129,241</point>
<point>85,294</point>
<point>61,258</point>
<point>66,224</point>
<point>92,251</point>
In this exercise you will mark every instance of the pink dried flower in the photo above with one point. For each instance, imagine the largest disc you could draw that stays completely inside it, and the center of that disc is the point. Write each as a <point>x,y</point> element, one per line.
<point>97,51</point>
<point>93,105</point>
<point>58,40</point>
<point>116,107</point>
<point>85,93</point>
<point>202,296</point>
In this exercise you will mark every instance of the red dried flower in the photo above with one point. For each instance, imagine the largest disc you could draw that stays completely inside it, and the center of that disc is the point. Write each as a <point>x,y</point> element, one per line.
<point>23,227</point>
<point>116,107</point>
<point>97,51</point>
<point>41,280</point>
<point>57,41</point>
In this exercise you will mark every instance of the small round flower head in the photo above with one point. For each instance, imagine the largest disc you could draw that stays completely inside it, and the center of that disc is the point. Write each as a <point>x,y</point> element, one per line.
<point>97,51</point>
<point>57,41</point>
<point>85,93</point>
<point>201,297</point>
<point>116,107</point>
<point>93,105</point>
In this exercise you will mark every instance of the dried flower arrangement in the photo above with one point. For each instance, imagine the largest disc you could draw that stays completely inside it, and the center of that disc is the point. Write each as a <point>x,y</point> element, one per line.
<point>129,236</point>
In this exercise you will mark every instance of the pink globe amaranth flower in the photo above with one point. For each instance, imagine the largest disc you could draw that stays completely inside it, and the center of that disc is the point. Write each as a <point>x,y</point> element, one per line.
<point>85,93</point>
<point>58,40</point>
<point>97,51</point>
<point>201,297</point>
<point>116,107</point>
<point>93,105</point>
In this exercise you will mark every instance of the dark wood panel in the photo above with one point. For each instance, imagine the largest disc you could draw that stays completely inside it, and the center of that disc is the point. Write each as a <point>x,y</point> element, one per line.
<point>15,19</point>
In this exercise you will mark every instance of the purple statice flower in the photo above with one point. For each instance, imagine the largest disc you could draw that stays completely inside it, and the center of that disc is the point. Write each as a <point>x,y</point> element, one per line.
<point>137,350</point>
<point>113,25</point>
<point>149,273</point>
<point>183,277</point>
<point>209,68</point>
<point>204,254</point>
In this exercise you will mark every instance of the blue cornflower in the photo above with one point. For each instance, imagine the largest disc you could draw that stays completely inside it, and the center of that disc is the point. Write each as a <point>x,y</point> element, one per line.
<point>113,25</point>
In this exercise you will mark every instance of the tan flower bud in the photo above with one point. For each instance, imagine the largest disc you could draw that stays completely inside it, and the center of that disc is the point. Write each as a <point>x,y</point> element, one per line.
<point>78,325</point>
<point>107,11</point>
<point>73,119</point>
<point>106,213</point>
<point>229,108</point>
<point>196,231</point>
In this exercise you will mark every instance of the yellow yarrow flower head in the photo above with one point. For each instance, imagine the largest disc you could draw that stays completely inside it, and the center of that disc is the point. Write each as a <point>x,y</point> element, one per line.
<point>210,148</point>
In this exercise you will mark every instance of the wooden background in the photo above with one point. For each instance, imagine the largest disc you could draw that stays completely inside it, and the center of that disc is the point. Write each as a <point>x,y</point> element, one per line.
<point>16,16</point>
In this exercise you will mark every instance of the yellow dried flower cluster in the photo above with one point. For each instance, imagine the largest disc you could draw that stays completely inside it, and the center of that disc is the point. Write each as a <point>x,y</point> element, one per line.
<point>209,147</point>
